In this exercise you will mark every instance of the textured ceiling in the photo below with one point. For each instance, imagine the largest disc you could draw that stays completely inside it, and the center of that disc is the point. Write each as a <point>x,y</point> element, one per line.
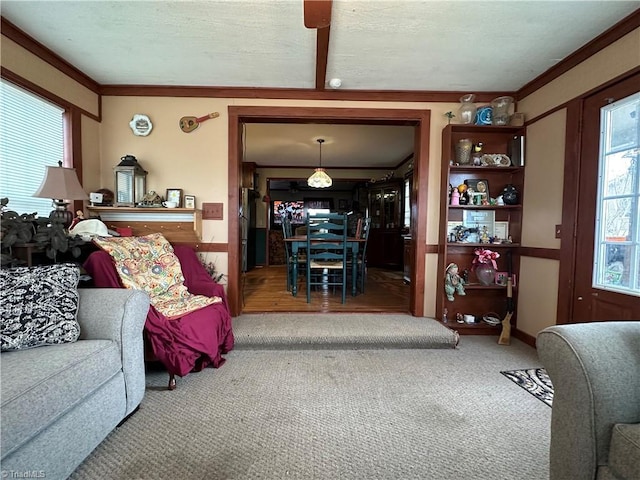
<point>374,44</point>
<point>380,45</point>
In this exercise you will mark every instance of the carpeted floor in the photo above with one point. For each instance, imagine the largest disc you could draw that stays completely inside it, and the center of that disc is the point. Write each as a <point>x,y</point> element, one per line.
<point>337,413</point>
<point>536,381</point>
<point>291,331</point>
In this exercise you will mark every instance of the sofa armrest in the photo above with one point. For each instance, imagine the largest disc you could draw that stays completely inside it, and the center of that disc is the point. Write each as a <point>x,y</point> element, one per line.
<point>119,315</point>
<point>595,371</point>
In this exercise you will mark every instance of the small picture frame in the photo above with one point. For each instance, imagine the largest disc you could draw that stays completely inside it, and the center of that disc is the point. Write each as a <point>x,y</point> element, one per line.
<point>501,230</point>
<point>478,190</point>
<point>189,201</point>
<point>174,195</point>
<point>501,278</point>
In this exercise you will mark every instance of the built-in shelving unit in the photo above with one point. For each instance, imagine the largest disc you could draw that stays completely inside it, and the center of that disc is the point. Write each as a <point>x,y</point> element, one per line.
<point>480,300</point>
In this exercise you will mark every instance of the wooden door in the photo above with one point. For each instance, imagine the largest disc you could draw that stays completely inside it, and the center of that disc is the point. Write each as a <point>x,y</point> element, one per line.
<point>591,303</point>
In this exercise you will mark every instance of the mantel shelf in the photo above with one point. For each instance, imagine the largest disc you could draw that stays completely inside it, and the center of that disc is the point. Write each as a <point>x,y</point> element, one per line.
<point>178,225</point>
<point>486,207</point>
<point>140,210</point>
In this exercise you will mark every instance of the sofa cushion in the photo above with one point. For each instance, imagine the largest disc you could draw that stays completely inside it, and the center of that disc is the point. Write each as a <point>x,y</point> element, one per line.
<point>38,306</point>
<point>624,453</point>
<point>40,385</point>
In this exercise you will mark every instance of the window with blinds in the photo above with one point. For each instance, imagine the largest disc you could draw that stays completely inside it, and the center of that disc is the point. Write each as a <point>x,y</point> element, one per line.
<point>31,137</point>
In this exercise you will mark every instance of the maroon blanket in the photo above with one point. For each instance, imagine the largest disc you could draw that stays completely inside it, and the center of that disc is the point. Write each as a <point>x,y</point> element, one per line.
<point>193,341</point>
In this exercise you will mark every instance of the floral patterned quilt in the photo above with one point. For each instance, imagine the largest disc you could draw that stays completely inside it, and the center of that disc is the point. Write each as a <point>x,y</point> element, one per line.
<point>149,263</point>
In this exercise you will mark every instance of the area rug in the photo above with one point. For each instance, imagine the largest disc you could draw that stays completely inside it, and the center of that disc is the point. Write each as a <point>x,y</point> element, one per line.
<point>536,381</point>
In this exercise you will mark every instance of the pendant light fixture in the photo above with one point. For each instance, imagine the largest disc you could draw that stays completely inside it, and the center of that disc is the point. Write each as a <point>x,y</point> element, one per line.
<point>319,178</point>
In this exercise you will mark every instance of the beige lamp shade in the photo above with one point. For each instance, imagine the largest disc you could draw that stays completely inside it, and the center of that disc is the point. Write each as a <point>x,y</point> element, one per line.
<point>61,183</point>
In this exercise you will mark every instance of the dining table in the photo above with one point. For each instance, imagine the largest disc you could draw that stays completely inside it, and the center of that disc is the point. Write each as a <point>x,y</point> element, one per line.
<point>299,242</point>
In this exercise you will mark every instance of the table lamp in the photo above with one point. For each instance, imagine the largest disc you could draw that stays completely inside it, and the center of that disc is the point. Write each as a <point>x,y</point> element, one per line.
<point>61,184</point>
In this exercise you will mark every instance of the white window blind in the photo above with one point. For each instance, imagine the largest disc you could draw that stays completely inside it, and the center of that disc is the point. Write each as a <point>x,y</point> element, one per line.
<point>31,137</point>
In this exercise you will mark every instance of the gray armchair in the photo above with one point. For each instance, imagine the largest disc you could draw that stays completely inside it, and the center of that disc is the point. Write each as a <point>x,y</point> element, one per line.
<point>595,422</point>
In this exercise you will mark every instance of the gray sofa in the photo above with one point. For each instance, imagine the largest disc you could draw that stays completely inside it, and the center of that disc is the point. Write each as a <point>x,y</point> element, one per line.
<point>595,421</point>
<point>60,401</point>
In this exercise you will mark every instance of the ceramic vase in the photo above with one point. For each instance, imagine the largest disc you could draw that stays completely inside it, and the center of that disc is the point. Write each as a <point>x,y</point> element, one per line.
<point>486,273</point>
<point>463,151</point>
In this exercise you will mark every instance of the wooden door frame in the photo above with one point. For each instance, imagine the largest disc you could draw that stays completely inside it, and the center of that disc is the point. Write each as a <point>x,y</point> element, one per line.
<point>571,186</point>
<point>371,116</point>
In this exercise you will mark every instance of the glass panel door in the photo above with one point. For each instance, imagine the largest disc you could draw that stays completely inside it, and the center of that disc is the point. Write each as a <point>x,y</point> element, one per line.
<point>617,234</point>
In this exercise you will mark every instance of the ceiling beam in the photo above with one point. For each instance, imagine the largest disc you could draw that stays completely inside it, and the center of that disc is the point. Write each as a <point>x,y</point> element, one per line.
<point>317,14</point>
<point>322,54</point>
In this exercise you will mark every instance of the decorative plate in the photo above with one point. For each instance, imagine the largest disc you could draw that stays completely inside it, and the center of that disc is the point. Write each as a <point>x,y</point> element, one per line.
<point>495,160</point>
<point>141,125</point>
<point>483,115</point>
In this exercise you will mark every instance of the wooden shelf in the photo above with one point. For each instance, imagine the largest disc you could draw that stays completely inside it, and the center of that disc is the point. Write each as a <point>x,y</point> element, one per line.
<point>483,245</point>
<point>485,207</point>
<point>178,225</point>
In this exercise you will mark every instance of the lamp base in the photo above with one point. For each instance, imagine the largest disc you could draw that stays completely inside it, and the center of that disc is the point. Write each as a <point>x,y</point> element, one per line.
<point>60,214</point>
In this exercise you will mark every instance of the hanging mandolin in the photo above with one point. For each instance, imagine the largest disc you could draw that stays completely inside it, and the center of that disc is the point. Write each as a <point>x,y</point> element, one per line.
<point>189,124</point>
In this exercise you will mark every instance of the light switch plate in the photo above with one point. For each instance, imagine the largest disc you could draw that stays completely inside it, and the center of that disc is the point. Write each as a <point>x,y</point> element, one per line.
<point>212,211</point>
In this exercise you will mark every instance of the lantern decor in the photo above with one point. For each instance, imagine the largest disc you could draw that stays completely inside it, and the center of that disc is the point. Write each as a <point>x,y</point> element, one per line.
<point>130,182</point>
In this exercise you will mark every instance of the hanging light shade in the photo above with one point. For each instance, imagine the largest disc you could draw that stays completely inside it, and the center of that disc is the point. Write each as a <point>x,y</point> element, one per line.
<point>319,178</point>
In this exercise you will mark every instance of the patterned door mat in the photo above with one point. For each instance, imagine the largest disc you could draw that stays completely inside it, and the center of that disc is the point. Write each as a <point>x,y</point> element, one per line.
<point>535,381</point>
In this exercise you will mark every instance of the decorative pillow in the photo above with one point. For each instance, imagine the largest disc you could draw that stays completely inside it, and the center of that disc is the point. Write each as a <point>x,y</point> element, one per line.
<point>39,306</point>
<point>148,263</point>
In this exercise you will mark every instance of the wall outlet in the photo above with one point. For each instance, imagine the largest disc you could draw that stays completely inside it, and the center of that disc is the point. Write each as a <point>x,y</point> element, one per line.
<point>212,211</point>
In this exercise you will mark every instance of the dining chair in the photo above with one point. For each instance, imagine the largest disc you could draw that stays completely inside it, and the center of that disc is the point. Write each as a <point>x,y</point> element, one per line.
<point>362,253</point>
<point>287,233</point>
<point>327,252</point>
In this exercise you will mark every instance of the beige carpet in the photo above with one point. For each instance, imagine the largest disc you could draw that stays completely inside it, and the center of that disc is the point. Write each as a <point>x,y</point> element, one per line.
<point>338,414</point>
<point>292,331</point>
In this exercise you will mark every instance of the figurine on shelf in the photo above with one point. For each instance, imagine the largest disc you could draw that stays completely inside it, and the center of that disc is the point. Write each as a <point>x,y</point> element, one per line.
<point>79,217</point>
<point>455,197</point>
<point>484,237</point>
<point>453,283</point>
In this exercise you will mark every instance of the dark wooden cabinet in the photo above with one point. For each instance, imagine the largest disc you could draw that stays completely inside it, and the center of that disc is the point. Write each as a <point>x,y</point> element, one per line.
<point>504,221</point>
<point>407,259</point>
<point>385,247</point>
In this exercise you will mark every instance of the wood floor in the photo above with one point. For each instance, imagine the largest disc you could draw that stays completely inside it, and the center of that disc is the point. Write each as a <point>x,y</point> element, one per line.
<point>265,290</point>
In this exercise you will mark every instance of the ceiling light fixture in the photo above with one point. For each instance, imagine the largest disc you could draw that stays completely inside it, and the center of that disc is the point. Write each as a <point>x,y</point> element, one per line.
<point>319,178</point>
<point>335,83</point>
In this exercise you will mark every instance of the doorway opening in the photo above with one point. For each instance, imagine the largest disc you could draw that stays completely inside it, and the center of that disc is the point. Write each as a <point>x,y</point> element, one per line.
<point>419,119</point>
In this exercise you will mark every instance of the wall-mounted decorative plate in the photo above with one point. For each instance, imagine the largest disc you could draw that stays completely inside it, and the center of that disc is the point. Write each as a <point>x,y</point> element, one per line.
<point>141,125</point>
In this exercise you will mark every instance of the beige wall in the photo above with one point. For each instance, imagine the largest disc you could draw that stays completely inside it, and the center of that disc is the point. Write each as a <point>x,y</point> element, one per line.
<point>197,162</point>
<point>537,294</point>
<point>544,181</point>
<point>545,155</point>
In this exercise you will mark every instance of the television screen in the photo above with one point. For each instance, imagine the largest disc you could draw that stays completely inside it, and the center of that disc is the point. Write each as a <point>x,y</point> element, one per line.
<point>292,209</point>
